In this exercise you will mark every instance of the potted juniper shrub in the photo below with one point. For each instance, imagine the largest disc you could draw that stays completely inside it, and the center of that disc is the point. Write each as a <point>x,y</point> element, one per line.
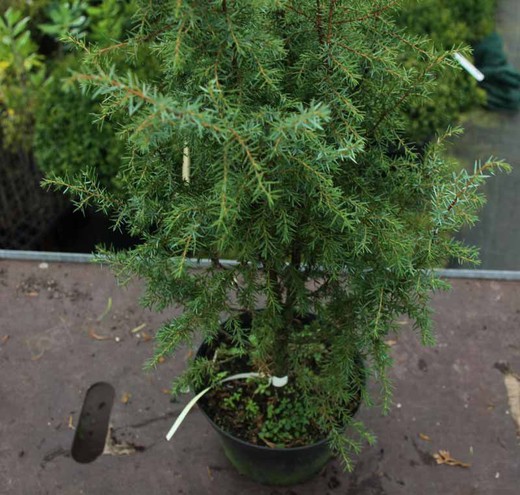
<point>272,137</point>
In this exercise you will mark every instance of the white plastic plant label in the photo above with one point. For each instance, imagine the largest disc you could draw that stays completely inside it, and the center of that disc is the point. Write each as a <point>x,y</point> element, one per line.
<point>468,66</point>
<point>279,381</point>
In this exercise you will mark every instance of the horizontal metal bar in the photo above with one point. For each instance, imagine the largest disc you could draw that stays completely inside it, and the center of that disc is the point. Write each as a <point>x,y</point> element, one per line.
<point>480,274</point>
<point>53,257</point>
<point>11,254</point>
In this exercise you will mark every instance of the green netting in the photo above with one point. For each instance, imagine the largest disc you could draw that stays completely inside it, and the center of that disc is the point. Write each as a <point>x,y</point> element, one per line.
<point>502,82</point>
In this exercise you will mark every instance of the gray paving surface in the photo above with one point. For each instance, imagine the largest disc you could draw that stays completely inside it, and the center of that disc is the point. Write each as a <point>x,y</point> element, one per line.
<point>497,134</point>
<point>452,393</point>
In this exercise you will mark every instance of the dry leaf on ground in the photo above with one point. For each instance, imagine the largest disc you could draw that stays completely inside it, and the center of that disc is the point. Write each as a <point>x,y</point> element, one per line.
<point>125,398</point>
<point>424,437</point>
<point>512,383</point>
<point>444,457</point>
<point>145,337</point>
<point>391,343</point>
<point>95,336</point>
<point>4,339</point>
<point>513,393</point>
<point>70,424</point>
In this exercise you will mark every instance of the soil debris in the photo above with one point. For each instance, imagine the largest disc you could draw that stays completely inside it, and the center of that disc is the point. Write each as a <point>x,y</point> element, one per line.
<point>117,448</point>
<point>125,398</point>
<point>107,310</point>
<point>138,328</point>
<point>424,437</point>
<point>144,336</point>
<point>34,286</point>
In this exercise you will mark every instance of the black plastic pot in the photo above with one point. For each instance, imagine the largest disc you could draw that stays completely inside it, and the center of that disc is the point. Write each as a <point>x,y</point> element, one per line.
<point>273,466</point>
<point>270,466</point>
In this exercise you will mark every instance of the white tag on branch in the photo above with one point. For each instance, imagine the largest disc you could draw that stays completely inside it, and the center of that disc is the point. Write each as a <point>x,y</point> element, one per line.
<point>273,380</point>
<point>468,66</point>
<point>186,164</point>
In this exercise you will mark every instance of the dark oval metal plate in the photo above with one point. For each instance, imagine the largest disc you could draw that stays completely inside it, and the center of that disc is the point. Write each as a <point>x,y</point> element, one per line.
<point>91,432</point>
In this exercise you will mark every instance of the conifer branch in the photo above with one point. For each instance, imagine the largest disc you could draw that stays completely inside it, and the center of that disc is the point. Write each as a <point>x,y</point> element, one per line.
<point>292,8</point>
<point>376,13</point>
<point>332,7</point>
<point>397,105</point>
<point>471,182</point>
<point>319,22</point>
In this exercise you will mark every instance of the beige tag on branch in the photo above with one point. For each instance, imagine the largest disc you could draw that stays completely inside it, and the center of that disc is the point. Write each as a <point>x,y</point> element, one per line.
<point>186,164</point>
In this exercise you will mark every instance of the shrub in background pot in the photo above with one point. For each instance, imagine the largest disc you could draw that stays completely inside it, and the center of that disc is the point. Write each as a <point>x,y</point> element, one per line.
<point>270,137</point>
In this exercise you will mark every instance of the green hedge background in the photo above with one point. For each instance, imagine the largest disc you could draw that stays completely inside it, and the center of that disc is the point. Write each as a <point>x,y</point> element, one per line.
<point>41,111</point>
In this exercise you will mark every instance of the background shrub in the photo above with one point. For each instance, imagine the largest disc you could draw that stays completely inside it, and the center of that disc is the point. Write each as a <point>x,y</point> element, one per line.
<point>39,110</point>
<point>65,139</point>
<point>446,23</point>
<point>56,120</point>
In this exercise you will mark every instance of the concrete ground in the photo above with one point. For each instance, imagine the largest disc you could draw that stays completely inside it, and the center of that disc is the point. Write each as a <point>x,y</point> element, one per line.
<point>59,335</point>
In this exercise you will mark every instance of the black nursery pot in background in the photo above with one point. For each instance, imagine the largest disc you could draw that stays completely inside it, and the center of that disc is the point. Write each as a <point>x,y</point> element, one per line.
<point>270,466</point>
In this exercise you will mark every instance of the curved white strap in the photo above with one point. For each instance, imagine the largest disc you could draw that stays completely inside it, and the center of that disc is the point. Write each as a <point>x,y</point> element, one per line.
<point>273,380</point>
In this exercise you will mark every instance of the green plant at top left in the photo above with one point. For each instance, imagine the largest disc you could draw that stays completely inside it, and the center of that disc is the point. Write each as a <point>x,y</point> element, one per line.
<point>22,73</point>
<point>41,110</point>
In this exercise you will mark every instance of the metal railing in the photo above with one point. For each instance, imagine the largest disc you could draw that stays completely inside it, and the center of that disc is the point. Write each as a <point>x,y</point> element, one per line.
<point>51,257</point>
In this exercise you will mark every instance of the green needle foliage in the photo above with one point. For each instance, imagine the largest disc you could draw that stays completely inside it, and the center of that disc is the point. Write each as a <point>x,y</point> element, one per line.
<point>291,113</point>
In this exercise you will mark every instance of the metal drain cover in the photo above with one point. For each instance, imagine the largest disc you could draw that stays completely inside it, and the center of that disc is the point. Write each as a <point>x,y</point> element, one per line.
<point>92,429</point>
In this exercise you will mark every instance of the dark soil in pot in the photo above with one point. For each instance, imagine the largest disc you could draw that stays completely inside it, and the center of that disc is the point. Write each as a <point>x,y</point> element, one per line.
<point>263,429</point>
